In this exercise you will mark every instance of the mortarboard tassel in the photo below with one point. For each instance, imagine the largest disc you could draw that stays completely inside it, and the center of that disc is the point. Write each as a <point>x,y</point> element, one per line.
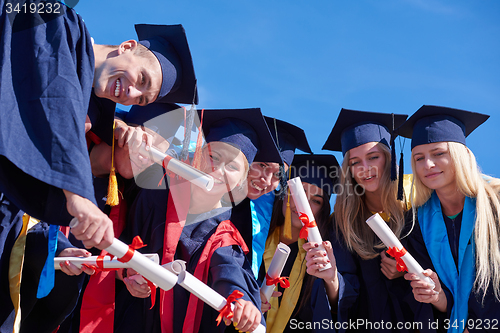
<point>112,199</point>
<point>287,229</point>
<point>199,141</point>
<point>401,176</point>
<point>393,153</point>
<point>393,159</point>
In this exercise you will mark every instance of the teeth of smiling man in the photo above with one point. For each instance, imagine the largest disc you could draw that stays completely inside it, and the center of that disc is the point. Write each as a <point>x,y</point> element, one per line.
<point>117,89</point>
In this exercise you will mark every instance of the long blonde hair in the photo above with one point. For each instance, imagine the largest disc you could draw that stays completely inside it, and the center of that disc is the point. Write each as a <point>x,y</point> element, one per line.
<point>472,183</point>
<point>351,212</point>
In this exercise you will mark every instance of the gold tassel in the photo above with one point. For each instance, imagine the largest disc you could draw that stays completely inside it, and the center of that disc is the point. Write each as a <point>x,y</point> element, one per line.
<point>112,199</point>
<point>287,229</point>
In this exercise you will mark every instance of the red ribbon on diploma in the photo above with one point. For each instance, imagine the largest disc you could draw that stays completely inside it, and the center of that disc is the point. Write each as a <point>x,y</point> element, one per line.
<point>397,254</point>
<point>226,310</point>
<point>304,233</point>
<point>136,244</point>
<point>283,281</point>
<point>99,266</point>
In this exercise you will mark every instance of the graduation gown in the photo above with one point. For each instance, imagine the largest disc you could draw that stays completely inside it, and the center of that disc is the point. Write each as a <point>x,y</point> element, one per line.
<point>483,315</point>
<point>228,268</point>
<point>45,314</point>
<point>46,76</point>
<point>365,293</point>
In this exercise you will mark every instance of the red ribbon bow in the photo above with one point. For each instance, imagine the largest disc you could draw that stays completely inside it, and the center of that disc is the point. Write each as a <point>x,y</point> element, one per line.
<point>304,233</point>
<point>226,310</point>
<point>136,244</point>
<point>397,254</point>
<point>283,281</point>
<point>99,266</point>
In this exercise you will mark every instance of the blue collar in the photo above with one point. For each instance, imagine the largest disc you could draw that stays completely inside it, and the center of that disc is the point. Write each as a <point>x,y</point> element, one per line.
<point>435,236</point>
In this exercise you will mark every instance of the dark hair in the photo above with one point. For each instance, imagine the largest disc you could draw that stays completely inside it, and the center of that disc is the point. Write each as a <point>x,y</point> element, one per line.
<point>322,219</point>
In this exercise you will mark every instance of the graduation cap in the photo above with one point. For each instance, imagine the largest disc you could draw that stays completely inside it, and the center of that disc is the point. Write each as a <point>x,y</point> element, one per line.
<point>243,128</point>
<point>355,128</point>
<point>432,124</point>
<point>321,170</point>
<point>288,137</point>
<point>169,44</point>
<point>162,118</point>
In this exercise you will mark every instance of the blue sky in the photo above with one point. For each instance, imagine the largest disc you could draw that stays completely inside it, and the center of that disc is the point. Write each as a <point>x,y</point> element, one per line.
<point>302,61</point>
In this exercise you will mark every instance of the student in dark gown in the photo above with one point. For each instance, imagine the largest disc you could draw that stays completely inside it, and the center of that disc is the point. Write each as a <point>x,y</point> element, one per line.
<point>252,216</point>
<point>228,268</point>
<point>48,64</point>
<point>369,287</point>
<point>298,306</point>
<point>458,229</point>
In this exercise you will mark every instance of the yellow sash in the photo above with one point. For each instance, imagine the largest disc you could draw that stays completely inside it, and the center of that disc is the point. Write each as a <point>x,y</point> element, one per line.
<point>16,267</point>
<point>278,317</point>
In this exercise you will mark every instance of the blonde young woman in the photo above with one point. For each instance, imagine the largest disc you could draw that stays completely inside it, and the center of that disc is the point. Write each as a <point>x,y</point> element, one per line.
<point>367,289</point>
<point>457,233</point>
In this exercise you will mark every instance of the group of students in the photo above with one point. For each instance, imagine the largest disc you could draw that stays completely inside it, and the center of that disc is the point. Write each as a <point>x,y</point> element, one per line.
<point>446,214</point>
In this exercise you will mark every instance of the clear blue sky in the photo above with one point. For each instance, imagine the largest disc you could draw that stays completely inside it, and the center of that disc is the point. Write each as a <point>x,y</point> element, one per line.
<point>302,61</point>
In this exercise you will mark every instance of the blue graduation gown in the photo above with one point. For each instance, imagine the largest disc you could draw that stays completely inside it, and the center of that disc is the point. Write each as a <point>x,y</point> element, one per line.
<point>229,270</point>
<point>46,78</point>
<point>366,294</point>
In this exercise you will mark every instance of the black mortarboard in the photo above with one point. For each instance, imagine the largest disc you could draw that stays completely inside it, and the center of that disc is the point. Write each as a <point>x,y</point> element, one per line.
<point>320,170</point>
<point>162,118</point>
<point>355,128</point>
<point>438,123</point>
<point>243,128</point>
<point>101,113</point>
<point>288,138</point>
<point>169,44</point>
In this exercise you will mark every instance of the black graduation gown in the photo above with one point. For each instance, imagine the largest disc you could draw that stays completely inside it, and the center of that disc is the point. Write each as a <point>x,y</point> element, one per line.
<point>11,223</point>
<point>241,216</point>
<point>229,270</point>
<point>484,315</point>
<point>46,78</point>
<point>45,314</point>
<point>146,218</point>
<point>365,294</point>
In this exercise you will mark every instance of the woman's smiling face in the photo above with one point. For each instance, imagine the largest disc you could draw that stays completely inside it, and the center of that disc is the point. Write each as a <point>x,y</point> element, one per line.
<point>367,162</point>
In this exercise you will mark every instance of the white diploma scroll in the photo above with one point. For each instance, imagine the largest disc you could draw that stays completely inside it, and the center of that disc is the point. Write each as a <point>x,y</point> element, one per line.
<point>207,294</point>
<point>382,230</point>
<point>303,207</point>
<point>107,262</point>
<point>176,266</point>
<point>182,169</point>
<point>144,266</point>
<point>275,269</point>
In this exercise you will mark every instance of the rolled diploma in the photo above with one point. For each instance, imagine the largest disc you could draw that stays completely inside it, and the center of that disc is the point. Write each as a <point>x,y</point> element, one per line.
<point>275,268</point>
<point>182,169</point>
<point>147,268</point>
<point>176,266</point>
<point>302,205</point>
<point>207,294</point>
<point>382,230</point>
<point>107,262</point>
